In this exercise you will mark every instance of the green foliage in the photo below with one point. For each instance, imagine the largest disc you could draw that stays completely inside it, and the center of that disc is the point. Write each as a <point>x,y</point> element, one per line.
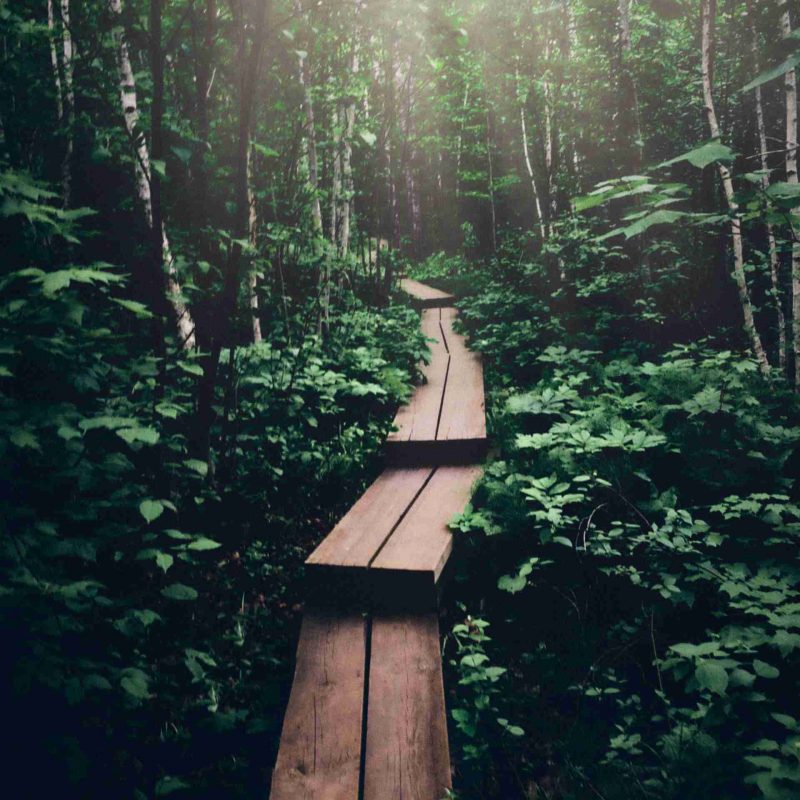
<point>640,529</point>
<point>149,595</point>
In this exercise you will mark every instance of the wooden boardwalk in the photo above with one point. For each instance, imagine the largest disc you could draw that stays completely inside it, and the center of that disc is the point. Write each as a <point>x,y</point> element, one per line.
<point>366,717</point>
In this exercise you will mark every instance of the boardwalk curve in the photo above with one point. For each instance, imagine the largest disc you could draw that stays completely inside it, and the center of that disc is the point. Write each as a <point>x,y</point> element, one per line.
<point>366,716</point>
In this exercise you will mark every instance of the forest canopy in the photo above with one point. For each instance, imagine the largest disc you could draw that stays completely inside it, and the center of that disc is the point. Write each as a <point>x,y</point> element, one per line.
<point>205,207</point>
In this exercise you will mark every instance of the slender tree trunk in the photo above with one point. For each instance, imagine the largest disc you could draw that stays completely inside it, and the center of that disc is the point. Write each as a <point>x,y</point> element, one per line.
<point>630,125</point>
<point>570,46</point>
<point>790,91</point>
<point>346,197</point>
<point>69,100</point>
<point>709,9</point>
<point>527,157</point>
<point>460,137</point>
<point>310,133</point>
<point>390,105</point>
<point>772,247</point>
<point>203,44</point>
<point>54,60</point>
<point>410,163</point>
<point>143,173</point>
<point>226,306</point>
<point>550,145</point>
<point>490,165</point>
<point>349,114</point>
<point>336,170</point>
<point>252,225</point>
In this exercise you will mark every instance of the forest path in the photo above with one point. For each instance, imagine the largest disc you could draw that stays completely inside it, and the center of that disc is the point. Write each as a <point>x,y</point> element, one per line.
<point>366,716</point>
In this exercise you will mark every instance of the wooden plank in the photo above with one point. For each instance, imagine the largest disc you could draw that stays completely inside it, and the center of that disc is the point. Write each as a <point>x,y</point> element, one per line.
<point>425,296</point>
<point>463,416</point>
<point>417,420</point>
<point>407,755</point>
<point>362,531</point>
<point>320,751</point>
<point>406,571</point>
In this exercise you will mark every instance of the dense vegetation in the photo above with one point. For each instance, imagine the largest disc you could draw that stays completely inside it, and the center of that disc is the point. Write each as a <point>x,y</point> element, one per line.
<point>204,207</point>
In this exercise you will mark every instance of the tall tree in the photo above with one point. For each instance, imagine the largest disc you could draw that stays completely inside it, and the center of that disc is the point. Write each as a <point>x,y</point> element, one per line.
<point>763,149</point>
<point>790,91</point>
<point>249,58</point>
<point>707,25</point>
<point>160,279</point>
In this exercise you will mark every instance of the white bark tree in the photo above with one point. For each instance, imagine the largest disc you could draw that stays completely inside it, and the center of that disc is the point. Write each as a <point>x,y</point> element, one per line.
<point>790,91</point>
<point>142,171</point>
<point>708,11</point>
<point>772,246</point>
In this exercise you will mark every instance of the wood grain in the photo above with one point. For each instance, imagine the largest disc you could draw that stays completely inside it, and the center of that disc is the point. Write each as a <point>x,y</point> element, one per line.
<point>407,755</point>
<point>417,420</point>
<point>406,571</point>
<point>463,415</point>
<point>362,531</point>
<point>320,750</point>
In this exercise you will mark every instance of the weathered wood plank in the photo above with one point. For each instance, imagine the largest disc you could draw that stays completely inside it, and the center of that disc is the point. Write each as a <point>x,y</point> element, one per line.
<point>405,573</point>
<point>320,750</point>
<point>463,416</point>
<point>425,296</point>
<point>417,420</point>
<point>361,532</point>
<point>407,755</point>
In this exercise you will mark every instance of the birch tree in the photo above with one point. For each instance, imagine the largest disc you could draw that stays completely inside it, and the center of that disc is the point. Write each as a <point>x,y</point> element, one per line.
<point>142,172</point>
<point>790,91</point>
<point>708,16</point>
<point>763,149</point>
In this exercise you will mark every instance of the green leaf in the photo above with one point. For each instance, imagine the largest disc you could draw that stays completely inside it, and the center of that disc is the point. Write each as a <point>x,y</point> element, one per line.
<point>169,784</point>
<point>144,435</point>
<point>368,137</point>
<point>702,156</point>
<point>512,583</point>
<point>179,591</point>
<point>200,467</point>
<point>25,439</point>
<point>790,63</point>
<point>204,544</point>
<point>135,683</point>
<point>139,309</point>
<point>191,368</point>
<point>764,670</point>
<point>164,561</point>
<point>151,510</point>
<point>712,676</point>
<point>184,154</point>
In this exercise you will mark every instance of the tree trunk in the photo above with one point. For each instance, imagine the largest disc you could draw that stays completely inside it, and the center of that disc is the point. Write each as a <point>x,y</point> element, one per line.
<point>772,247</point>
<point>69,101</point>
<point>226,306</point>
<point>410,164</point>
<point>790,90</point>
<point>630,126</point>
<point>310,133</point>
<point>462,123</point>
<point>391,181</point>
<point>709,9</point>
<point>346,197</point>
<point>527,156</point>
<point>252,225</point>
<point>336,169</point>
<point>550,144</point>
<point>490,165</point>
<point>54,60</point>
<point>143,172</point>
